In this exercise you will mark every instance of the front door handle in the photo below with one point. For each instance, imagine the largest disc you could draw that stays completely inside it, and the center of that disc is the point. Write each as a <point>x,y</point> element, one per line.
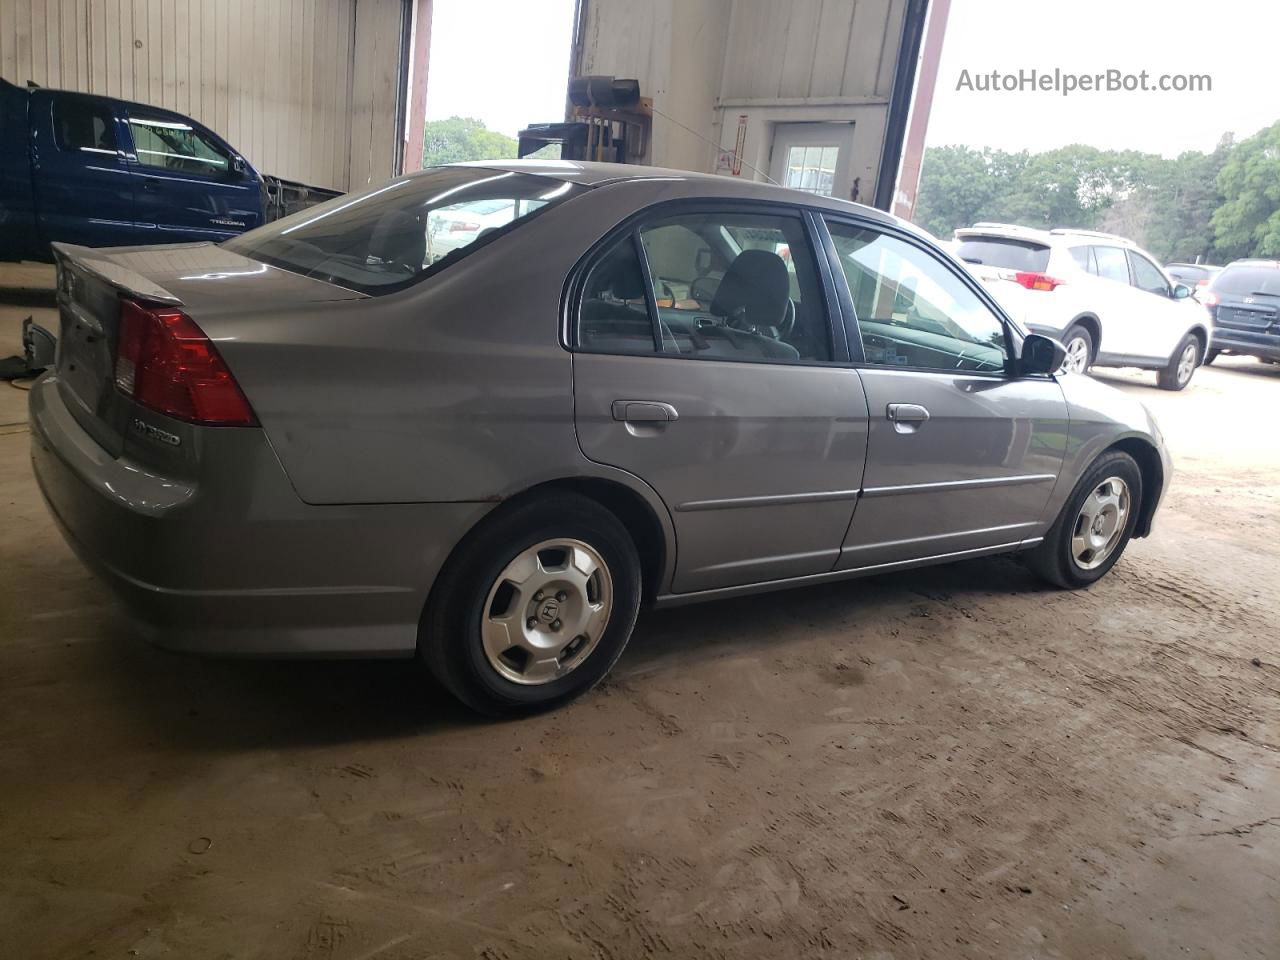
<point>907,417</point>
<point>644,411</point>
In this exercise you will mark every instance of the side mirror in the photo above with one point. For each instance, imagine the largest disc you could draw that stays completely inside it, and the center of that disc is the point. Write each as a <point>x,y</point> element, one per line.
<point>238,167</point>
<point>1181,291</point>
<point>1042,354</point>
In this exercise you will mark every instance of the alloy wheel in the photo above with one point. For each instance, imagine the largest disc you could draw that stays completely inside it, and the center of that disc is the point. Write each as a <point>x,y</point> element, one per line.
<point>1100,524</point>
<point>1187,363</point>
<point>546,611</point>
<point>1077,358</point>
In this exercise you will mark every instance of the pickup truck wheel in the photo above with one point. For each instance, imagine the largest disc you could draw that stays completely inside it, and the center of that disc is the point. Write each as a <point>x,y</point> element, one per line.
<point>1095,524</point>
<point>1182,365</point>
<point>534,607</point>
<point>1079,346</point>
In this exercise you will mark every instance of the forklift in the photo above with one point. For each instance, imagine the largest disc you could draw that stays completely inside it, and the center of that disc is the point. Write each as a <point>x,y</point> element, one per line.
<point>608,121</point>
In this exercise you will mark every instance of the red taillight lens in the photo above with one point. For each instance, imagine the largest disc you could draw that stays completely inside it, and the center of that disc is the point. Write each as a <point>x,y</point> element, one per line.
<point>165,362</point>
<point>458,226</point>
<point>1210,299</point>
<point>1037,281</point>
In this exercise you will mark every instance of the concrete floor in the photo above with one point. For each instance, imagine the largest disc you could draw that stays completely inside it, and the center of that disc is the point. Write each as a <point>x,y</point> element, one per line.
<point>945,763</point>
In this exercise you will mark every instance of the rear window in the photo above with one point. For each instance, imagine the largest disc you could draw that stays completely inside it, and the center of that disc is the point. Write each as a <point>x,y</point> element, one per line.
<point>391,236</point>
<point>1022,255</point>
<point>1247,281</point>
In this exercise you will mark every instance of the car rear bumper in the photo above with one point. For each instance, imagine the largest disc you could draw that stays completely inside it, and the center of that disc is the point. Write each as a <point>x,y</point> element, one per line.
<point>1265,346</point>
<point>241,565</point>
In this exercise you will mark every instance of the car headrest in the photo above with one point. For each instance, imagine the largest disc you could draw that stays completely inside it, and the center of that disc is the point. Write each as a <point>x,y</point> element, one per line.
<point>755,288</point>
<point>399,237</point>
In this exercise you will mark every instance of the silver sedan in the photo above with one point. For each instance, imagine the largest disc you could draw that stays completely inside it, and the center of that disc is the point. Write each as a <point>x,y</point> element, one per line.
<point>332,436</point>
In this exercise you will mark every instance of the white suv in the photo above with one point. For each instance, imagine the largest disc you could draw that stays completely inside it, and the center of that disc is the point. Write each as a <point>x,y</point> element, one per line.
<point>1104,298</point>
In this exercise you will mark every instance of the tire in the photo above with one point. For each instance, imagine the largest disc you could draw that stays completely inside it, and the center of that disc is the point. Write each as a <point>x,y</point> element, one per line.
<point>1055,559</point>
<point>1182,365</point>
<point>1211,356</point>
<point>1079,344</point>
<point>476,597</point>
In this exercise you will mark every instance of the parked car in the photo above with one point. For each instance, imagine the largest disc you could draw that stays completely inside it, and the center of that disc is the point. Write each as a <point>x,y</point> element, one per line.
<point>97,171</point>
<point>1245,302</point>
<point>311,440</point>
<point>460,224</point>
<point>1102,296</point>
<point>1194,275</point>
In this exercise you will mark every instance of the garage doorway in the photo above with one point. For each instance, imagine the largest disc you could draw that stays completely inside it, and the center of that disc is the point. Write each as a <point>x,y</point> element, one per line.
<point>814,157</point>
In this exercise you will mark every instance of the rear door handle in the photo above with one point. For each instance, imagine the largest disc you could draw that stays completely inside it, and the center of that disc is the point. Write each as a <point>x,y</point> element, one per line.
<point>644,411</point>
<point>907,417</point>
<point>150,183</point>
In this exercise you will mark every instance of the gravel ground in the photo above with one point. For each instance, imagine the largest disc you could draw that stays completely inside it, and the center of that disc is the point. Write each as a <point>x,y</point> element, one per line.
<point>953,762</point>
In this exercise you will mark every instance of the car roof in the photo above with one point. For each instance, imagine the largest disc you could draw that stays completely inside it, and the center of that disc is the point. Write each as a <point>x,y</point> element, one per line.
<point>1015,231</point>
<point>595,174</point>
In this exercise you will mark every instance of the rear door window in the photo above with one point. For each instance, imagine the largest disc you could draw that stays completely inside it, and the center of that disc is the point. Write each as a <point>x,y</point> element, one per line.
<point>1112,263</point>
<point>1022,255</point>
<point>81,124</point>
<point>715,286</point>
<point>1083,256</point>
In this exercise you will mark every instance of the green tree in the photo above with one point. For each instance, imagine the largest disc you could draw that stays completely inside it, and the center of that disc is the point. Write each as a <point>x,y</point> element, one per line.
<point>463,138</point>
<point>1248,221</point>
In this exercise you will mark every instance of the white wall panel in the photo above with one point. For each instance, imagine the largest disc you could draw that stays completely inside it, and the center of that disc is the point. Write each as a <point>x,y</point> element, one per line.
<point>275,78</point>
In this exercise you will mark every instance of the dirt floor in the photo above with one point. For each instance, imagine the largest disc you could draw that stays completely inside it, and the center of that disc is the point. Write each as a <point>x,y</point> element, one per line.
<point>946,763</point>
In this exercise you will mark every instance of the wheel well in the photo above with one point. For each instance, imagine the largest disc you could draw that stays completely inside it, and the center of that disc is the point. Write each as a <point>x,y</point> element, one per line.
<point>1090,323</point>
<point>629,507</point>
<point>1200,334</point>
<point>1148,461</point>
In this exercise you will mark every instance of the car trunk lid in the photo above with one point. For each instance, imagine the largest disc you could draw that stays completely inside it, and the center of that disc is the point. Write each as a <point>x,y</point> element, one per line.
<point>205,281</point>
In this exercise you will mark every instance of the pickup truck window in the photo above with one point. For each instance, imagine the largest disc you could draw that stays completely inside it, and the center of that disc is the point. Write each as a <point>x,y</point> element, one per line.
<point>174,145</point>
<point>80,124</point>
<point>393,235</point>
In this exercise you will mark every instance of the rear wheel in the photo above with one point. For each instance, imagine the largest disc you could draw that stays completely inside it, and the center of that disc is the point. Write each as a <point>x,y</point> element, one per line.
<point>1182,365</point>
<point>535,607</point>
<point>1079,344</point>
<point>1095,524</point>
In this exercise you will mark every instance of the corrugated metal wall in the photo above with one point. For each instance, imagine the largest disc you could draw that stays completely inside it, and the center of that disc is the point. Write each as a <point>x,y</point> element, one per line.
<point>812,48</point>
<point>306,89</point>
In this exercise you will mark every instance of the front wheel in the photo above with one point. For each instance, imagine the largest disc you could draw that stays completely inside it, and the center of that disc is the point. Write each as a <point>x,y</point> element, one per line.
<point>1181,365</point>
<point>1079,346</point>
<point>535,607</point>
<point>1095,524</point>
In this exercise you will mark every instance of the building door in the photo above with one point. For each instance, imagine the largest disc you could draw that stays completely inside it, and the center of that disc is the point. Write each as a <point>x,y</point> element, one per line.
<point>814,157</point>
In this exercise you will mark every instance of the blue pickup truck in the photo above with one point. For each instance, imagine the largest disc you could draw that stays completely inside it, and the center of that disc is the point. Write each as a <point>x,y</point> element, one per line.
<point>97,171</point>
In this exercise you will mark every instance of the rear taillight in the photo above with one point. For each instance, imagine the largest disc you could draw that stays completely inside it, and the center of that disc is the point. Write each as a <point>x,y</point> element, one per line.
<point>1210,299</point>
<point>460,226</point>
<point>1037,281</point>
<point>166,363</point>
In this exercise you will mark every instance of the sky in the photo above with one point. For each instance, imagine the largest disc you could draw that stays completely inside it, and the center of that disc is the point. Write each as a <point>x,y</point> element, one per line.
<point>1235,42</point>
<point>505,62</point>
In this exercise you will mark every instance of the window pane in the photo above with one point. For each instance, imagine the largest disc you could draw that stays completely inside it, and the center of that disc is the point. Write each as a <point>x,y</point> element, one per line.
<point>614,315</point>
<point>1112,263</point>
<point>737,287</point>
<point>83,125</point>
<point>1079,254</point>
<point>1147,277</point>
<point>812,169</point>
<point>912,310</point>
<point>387,237</point>
<point>174,145</point>
<point>1006,253</point>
